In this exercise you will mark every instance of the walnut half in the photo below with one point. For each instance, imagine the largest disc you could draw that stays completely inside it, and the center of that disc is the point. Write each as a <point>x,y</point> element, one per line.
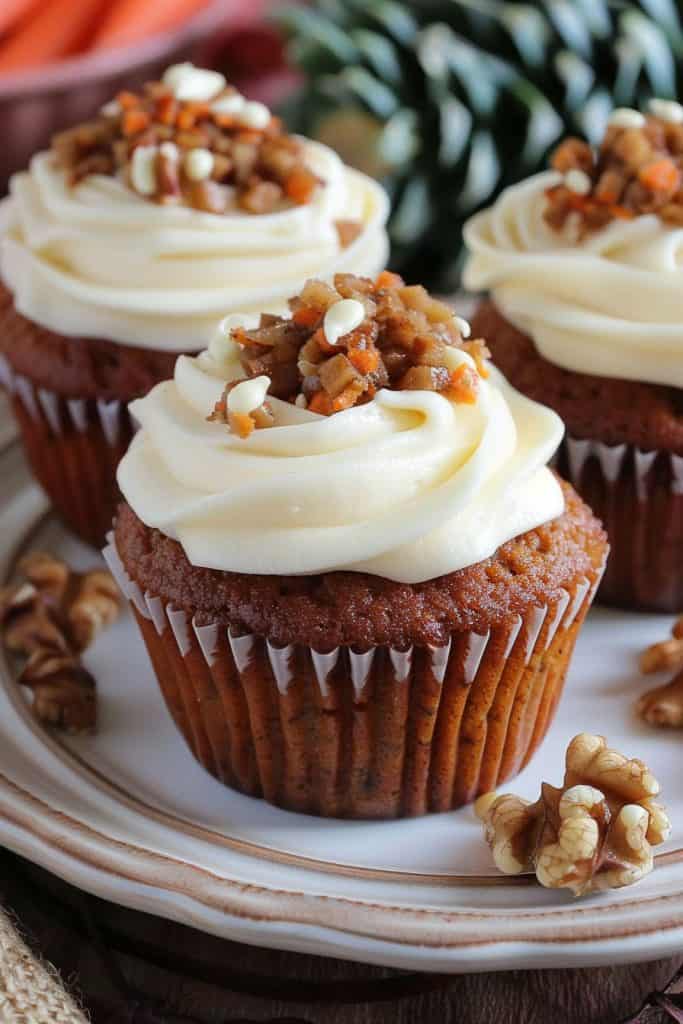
<point>594,832</point>
<point>663,706</point>
<point>50,617</point>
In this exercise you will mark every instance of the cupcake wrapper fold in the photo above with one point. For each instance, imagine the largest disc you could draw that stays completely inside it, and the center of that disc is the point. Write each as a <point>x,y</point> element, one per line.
<point>74,446</point>
<point>639,497</point>
<point>377,733</point>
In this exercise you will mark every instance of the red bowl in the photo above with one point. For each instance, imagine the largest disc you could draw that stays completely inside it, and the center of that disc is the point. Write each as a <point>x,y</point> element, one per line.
<point>36,103</point>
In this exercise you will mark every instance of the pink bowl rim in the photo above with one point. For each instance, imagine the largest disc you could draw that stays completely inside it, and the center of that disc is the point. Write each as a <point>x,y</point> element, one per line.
<point>110,63</point>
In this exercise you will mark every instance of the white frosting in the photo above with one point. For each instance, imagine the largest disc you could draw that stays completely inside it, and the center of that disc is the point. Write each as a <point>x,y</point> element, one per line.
<point>100,261</point>
<point>341,318</point>
<point>610,305</point>
<point>667,110</point>
<point>409,486</point>
<point>626,117</point>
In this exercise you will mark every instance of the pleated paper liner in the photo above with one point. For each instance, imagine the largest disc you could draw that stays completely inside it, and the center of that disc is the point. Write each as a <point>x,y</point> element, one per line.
<point>74,446</point>
<point>639,497</point>
<point>379,733</point>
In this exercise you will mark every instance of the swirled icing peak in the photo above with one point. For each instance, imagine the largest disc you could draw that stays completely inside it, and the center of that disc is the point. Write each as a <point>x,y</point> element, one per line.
<point>406,482</point>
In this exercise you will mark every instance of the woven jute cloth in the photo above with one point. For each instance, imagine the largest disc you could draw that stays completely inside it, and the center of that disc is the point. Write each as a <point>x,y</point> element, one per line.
<point>30,991</point>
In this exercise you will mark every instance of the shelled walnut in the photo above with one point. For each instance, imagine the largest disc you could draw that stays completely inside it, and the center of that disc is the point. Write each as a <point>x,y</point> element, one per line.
<point>663,706</point>
<point>594,832</point>
<point>50,617</point>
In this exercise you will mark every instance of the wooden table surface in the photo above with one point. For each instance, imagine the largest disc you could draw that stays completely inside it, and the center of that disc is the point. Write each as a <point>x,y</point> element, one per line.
<point>133,968</point>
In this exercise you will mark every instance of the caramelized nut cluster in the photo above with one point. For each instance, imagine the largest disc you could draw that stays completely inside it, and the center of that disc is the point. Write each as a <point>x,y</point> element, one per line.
<point>638,169</point>
<point>207,154</point>
<point>398,337</point>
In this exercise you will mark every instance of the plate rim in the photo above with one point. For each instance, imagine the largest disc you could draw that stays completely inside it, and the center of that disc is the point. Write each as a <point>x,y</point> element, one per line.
<point>384,931</point>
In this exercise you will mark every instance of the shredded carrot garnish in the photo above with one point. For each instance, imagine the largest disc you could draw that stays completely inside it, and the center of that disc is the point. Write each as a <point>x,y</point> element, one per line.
<point>242,424</point>
<point>167,110</point>
<point>660,176</point>
<point>463,386</point>
<point>300,186</point>
<point>134,122</point>
<point>389,280</point>
<point>128,100</point>
<point>306,316</point>
<point>321,403</point>
<point>365,360</point>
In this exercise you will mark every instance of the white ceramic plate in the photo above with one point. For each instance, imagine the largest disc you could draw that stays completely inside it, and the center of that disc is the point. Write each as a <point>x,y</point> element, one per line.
<point>128,815</point>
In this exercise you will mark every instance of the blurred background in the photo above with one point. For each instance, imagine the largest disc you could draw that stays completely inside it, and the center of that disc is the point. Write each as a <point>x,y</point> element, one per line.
<point>445,101</point>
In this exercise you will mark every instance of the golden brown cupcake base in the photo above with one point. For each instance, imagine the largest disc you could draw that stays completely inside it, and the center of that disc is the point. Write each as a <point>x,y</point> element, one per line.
<point>363,731</point>
<point>624,455</point>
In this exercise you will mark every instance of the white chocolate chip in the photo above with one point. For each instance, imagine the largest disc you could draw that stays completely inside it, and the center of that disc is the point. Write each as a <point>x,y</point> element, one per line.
<point>341,318</point>
<point>578,181</point>
<point>142,170</point>
<point>231,103</point>
<point>255,115</point>
<point>626,117</point>
<point>462,325</point>
<point>301,402</point>
<point>667,110</point>
<point>169,150</point>
<point>190,83</point>
<point>198,164</point>
<point>248,395</point>
<point>111,109</point>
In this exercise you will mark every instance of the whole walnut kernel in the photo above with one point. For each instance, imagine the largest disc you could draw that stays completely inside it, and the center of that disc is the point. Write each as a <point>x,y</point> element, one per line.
<point>594,832</point>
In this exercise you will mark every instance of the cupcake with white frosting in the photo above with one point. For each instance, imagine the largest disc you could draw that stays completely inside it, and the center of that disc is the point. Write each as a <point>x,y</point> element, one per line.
<point>358,581</point>
<point>583,266</point>
<point>125,244</point>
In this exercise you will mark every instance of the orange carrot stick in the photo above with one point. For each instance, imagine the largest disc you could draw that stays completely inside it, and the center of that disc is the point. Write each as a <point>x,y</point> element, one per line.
<point>57,29</point>
<point>12,10</point>
<point>129,21</point>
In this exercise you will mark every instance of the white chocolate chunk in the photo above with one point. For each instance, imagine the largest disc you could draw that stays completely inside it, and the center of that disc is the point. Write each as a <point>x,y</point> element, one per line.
<point>301,402</point>
<point>255,115</point>
<point>142,170</point>
<point>341,318</point>
<point>248,395</point>
<point>578,181</point>
<point>188,82</point>
<point>198,163</point>
<point>111,109</point>
<point>667,110</point>
<point>231,103</point>
<point>169,150</point>
<point>462,325</point>
<point>626,117</point>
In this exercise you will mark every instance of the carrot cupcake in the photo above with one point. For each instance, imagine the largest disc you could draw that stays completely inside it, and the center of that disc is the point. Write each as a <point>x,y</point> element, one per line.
<point>585,311</point>
<point>359,583</point>
<point>124,244</point>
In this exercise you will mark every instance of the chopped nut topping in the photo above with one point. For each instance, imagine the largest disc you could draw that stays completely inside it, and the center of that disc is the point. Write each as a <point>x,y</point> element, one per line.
<point>663,706</point>
<point>594,832</point>
<point>192,139</point>
<point>50,618</point>
<point>344,342</point>
<point>638,169</point>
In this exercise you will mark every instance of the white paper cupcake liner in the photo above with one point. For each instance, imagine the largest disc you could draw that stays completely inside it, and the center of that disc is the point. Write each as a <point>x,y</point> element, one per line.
<point>639,497</point>
<point>74,446</point>
<point>378,733</point>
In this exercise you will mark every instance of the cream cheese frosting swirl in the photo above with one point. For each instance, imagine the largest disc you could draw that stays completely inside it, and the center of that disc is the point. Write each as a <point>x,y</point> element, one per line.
<point>610,304</point>
<point>409,486</point>
<point>97,260</point>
